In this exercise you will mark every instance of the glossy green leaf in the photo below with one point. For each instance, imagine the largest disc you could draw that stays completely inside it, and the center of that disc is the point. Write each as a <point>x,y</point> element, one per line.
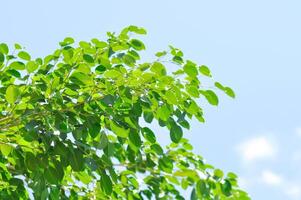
<point>5,149</point>
<point>161,53</point>
<point>149,134</point>
<point>88,58</point>
<point>31,161</point>
<point>202,189</point>
<point>67,41</point>
<point>157,148</point>
<point>118,130</point>
<point>166,164</point>
<point>137,44</point>
<point>103,141</point>
<point>176,133</point>
<point>148,116</point>
<point>2,58</point>
<point>193,91</point>
<point>81,78</point>
<point>211,97</point>
<point>4,48</point>
<point>205,70</point>
<point>163,112</point>
<point>76,160</point>
<point>17,46</point>
<point>158,68</point>
<point>229,92</point>
<point>14,73</point>
<point>226,188</point>
<point>54,175</point>
<point>190,69</point>
<point>112,74</point>
<point>24,55</point>
<point>106,183</point>
<point>134,139</point>
<point>171,97</point>
<point>17,65</point>
<point>31,66</point>
<point>12,94</point>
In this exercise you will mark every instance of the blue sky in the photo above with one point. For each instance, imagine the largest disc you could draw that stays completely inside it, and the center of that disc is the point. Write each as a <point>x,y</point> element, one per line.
<point>253,46</point>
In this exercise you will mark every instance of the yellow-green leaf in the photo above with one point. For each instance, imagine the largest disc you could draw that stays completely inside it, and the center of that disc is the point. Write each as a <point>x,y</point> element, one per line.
<point>12,94</point>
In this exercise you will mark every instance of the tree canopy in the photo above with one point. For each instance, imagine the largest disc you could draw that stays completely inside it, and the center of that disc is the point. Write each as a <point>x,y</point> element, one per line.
<point>76,124</point>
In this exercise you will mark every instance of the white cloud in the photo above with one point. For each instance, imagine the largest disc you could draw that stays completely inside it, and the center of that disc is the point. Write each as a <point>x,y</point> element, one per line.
<point>291,189</point>
<point>270,178</point>
<point>294,191</point>
<point>257,148</point>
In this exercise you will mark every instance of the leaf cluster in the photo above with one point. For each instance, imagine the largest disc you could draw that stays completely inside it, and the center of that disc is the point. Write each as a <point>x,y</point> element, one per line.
<point>76,123</point>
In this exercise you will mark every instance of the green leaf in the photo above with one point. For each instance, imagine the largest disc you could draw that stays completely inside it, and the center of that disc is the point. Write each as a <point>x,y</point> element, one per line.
<point>24,55</point>
<point>157,148</point>
<point>4,48</point>
<point>106,184</point>
<point>76,159</point>
<point>112,74</point>
<point>193,91</point>
<point>193,195</point>
<point>229,92</point>
<point>218,173</point>
<point>186,173</point>
<point>166,164</point>
<point>205,70</point>
<point>134,29</point>
<point>226,188</point>
<point>129,60</point>
<point>99,44</point>
<point>202,189</point>
<point>137,30</point>
<point>149,135</point>
<point>163,112</point>
<point>148,116</point>
<point>18,46</point>
<point>12,94</point>
<point>135,139</point>
<point>161,53</point>
<point>2,58</point>
<point>50,175</point>
<point>219,86</point>
<point>171,97</point>
<point>14,73</point>
<point>67,41</point>
<point>118,130</point>
<point>210,96</point>
<point>31,66</point>
<point>100,69</point>
<point>84,45</point>
<point>190,69</point>
<point>103,141</point>
<point>17,65</point>
<point>137,44</point>
<point>81,78</point>
<point>176,133</point>
<point>158,68</point>
<point>31,161</point>
<point>5,149</point>
<point>231,175</point>
<point>88,58</point>
<point>93,127</point>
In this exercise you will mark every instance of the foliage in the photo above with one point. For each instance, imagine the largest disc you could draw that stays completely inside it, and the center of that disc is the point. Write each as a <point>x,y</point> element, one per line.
<point>76,124</point>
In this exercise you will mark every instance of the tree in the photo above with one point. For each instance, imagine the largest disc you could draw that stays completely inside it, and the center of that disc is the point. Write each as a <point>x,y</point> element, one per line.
<point>73,125</point>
